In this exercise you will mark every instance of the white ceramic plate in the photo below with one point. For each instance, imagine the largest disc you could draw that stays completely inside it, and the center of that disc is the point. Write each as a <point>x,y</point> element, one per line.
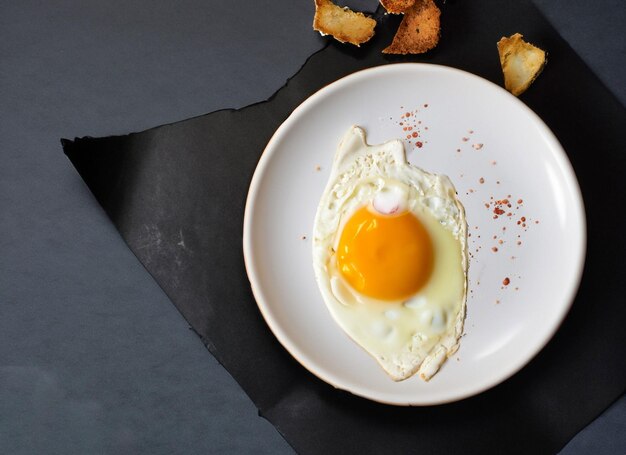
<point>470,129</point>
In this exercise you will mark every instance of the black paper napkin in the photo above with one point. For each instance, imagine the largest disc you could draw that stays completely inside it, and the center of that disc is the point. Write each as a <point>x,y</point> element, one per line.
<point>176,193</point>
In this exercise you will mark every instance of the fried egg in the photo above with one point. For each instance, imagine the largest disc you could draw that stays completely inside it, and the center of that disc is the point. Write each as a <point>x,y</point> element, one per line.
<point>390,256</point>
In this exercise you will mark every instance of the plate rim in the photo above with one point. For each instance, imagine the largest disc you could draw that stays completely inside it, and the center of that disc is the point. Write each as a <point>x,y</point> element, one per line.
<point>291,347</point>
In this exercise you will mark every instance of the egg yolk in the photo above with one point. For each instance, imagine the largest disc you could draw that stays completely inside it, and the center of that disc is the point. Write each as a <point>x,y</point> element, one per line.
<point>387,257</point>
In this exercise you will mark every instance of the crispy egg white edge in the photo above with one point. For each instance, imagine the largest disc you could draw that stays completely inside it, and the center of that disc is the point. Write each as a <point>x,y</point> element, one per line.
<point>343,160</point>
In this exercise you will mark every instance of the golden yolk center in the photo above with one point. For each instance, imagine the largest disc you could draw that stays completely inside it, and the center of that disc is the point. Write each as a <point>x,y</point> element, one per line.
<point>388,257</point>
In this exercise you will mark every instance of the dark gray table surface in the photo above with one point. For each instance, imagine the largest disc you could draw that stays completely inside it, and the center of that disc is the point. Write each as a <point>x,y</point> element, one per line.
<point>93,356</point>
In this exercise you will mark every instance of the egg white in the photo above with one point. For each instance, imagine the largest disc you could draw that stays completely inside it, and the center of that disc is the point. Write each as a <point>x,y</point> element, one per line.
<point>413,335</point>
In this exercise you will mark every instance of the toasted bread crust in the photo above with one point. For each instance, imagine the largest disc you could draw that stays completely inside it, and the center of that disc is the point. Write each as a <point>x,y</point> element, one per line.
<point>397,6</point>
<point>343,24</point>
<point>419,30</point>
<point>521,63</point>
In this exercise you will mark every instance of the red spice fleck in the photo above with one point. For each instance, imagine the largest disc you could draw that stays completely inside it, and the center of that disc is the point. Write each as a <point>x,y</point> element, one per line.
<point>519,242</point>
<point>425,105</point>
<point>414,134</point>
<point>494,249</point>
<point>506,281</point>
<point>495,217</point>
<point>498,211</point>
<point>509,214</point>
<point>519,201</point>
<point>495,237</point>
<point>410,128</point>
<point>404,129</point>
<point>523,218</point>
<point>419,144</point>
<point>408,114</point>
<point>519,222</point>
<point>408,136</point>
<point>401,123</point>
<point>486,205</point>
<point>481,180</point>
<point>465,139</point>
<point>536,221</point>
<point>500,241</point>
